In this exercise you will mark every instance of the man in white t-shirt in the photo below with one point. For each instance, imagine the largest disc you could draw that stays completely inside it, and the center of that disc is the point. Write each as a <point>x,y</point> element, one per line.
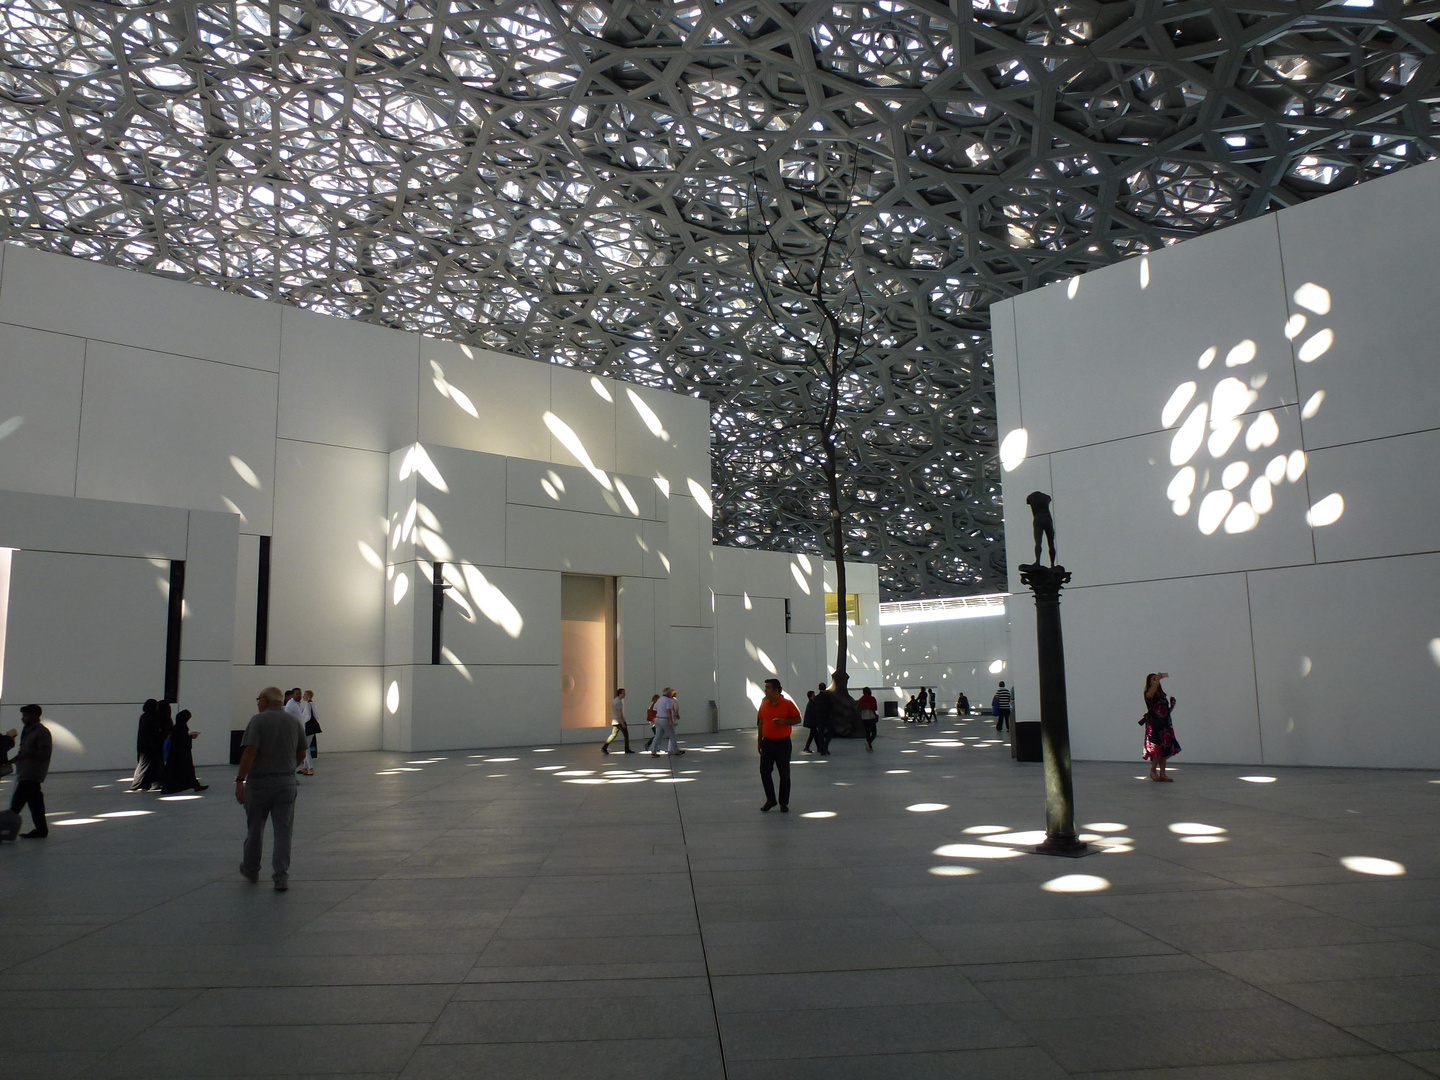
<point>617,723</point>
<point>666,713</point>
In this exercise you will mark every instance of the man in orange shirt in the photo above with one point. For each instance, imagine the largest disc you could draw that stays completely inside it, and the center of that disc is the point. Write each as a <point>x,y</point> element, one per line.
<point>776,715</point>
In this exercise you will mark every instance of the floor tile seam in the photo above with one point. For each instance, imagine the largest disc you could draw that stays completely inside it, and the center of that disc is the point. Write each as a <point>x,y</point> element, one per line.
<point>1159,1069</point>
<point>1263,989</point>
<point>699,922</point>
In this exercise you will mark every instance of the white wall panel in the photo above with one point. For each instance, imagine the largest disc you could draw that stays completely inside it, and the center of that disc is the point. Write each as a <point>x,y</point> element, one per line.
<point>86,737</point>
<point>326,600</point>
<point>1345,663</point>
<point>635,603</point>
<point>541,539</point>
<point>247,579</point>
<point>74,296</point>
<point>576,398</point>
<point>566,487</point>
<point>1376,248</point>
<point>85,629</point>
<point>1109,649</point>
<point>466,521</point>
<point>173,431</point>
<point>500,406</point>
<point>53,523</point>
<point>679,451</point>
<point>346,382</point>
<point>206,688</point>
<point>750,647</point>
<point>654,545</point>
<point>487,605</point>
<point>504,706</point>
<point>1006,367</point>
<point>1113,521</point>
<point>408,612</point>
<point>689,531</point>
<point>348,701</point>
<point>1103,364</point>
<point>40,382</point>
<point>1387,487</point>
<point>1021,672</point>
<point>738,571</point>
<point>805,666</point>
<point>211,557</point>
<point>692,671</point>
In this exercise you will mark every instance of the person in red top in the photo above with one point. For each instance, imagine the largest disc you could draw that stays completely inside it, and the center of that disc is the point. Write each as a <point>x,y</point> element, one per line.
<point>869,716</point>
<point>776,715</point>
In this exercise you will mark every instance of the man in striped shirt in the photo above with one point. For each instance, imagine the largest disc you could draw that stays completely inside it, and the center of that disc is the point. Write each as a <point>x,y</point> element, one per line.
<point>1002,707</point>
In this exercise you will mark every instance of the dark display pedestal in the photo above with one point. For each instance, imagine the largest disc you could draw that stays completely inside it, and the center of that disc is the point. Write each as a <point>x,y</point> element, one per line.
<point>1060,835</point>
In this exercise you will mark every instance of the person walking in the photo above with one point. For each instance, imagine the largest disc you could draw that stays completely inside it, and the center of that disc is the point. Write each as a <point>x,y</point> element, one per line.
<point>650,719</point>
<point>1001,704</point>
<point>1160,742</point>
<point>32,764</point>
<point>149,747</point>
<point>179,771</point>
<point>870,717</point>
<point>617,723</point>
<point>667,711</point>
<point>298,707</point>
<point>776,716</point>
<point>824,728</point>
<point>274,745</point>
<point>312,728</point>
<point>809,722</point>
<point>934,716</point>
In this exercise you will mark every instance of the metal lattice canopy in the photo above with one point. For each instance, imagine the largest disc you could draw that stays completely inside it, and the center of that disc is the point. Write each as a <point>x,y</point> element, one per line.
<point>570,181</point>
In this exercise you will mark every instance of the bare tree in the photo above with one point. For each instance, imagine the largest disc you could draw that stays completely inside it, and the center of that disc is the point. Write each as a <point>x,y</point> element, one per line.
<point>802,240</point>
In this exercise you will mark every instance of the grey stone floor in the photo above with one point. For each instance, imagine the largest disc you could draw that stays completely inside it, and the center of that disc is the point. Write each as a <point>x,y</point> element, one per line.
<point>541,912</point>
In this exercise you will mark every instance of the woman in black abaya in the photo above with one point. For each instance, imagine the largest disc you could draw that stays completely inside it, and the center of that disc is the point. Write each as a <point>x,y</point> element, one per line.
<point>149,748</point>
<point>180,765</point>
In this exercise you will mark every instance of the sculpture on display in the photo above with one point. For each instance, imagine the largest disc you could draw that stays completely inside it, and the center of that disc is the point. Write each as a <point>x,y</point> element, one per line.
<point>1044,524</point>
<point>1046,582</point>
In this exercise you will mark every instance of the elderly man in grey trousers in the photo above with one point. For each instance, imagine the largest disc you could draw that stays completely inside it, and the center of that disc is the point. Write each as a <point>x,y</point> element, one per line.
<point>274,745</point>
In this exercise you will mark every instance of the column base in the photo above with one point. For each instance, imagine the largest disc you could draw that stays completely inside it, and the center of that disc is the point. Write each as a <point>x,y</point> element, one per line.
<point>1065,848</point>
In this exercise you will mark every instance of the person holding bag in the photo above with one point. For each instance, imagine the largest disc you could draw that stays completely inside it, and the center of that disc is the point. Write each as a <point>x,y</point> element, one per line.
<point>1160,742</point>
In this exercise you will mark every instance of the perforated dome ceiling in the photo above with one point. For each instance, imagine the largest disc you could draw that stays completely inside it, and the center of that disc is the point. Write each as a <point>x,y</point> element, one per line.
<point>569,181</point>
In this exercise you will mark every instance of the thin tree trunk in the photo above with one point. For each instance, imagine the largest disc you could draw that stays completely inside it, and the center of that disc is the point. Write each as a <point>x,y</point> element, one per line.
<point>837,547</point>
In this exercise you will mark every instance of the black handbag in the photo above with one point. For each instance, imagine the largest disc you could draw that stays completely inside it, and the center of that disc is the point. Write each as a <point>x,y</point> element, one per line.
<point>312,727</point>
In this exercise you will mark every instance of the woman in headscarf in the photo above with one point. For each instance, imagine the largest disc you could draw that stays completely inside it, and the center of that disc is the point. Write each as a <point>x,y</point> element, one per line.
<point>149,747</point>
<point>180,765</point>
<point>1160,742</point>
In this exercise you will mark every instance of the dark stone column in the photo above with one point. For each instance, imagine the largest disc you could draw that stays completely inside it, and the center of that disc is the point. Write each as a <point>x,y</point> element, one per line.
<point>1060,835</point>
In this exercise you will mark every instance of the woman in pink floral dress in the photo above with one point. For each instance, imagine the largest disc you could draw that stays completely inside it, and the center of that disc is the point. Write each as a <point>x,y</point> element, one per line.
<point>1160,742</point>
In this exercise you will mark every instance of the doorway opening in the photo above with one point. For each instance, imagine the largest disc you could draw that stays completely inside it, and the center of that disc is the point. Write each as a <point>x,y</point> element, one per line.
<point>587,650</point>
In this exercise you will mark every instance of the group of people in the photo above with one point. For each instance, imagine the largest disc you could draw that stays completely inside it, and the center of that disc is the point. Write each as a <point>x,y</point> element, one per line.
<point>301,705</point>
<point>819,719</point>
<point>662,716</point>
<point>920,709</point>
<point>164,757</point>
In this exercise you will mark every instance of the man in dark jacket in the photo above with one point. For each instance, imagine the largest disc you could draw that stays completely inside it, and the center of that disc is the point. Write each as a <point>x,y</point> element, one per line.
<point>32,763</point>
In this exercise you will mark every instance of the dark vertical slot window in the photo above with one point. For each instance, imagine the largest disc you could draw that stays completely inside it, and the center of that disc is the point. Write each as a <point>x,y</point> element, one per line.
<point>173,625</point>
<point>437,611</point>
<point>262,603</point>
<point>787,615</point>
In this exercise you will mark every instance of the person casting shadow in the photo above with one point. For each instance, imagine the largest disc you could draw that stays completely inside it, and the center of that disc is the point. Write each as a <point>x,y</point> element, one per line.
<point>149,747</point>
<point>179,774</point>
<point>1160,742</point>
